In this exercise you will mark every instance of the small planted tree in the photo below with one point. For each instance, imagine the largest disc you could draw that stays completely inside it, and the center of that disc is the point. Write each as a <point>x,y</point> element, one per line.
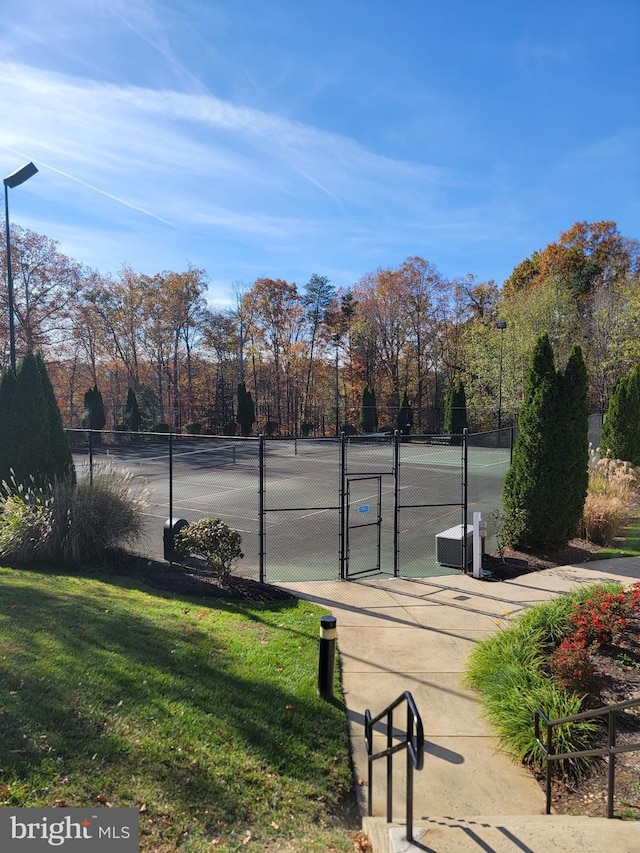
<point>94,417</point>
<point>246,410</point>
<point>132,416</point>
<point>455,411</point>
<point>620,437</point>
<point>212,540</point>
<point>368,410</point>
<point>405,416</point>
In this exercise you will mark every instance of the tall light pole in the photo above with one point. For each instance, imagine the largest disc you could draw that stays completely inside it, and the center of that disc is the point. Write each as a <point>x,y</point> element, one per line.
<point>502,325</point>
<point>13,180</point>
<point>336,341</point>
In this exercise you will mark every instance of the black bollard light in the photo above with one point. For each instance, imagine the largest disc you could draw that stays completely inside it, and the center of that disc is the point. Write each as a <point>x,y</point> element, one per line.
<point>327,656</point>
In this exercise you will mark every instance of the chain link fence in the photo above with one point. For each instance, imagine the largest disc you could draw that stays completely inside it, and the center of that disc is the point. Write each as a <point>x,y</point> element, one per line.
<point>316,508</point>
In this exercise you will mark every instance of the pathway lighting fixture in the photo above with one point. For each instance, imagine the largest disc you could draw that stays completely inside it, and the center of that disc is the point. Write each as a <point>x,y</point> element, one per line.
<point>13,180</point>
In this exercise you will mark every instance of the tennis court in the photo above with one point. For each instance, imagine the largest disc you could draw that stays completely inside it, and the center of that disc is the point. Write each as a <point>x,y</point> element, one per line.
<point>315,509</point>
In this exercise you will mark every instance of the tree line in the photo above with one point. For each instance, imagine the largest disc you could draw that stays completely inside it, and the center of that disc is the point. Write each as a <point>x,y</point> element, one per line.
<point>298,359</point>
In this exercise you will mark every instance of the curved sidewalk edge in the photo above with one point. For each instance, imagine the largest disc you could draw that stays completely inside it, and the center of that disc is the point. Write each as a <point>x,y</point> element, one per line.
<point>398,634</point>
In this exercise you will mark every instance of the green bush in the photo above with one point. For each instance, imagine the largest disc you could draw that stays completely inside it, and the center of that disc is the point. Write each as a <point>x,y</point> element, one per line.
<point>510,670</point>
<point>71,523</point>
<point>213,541</point>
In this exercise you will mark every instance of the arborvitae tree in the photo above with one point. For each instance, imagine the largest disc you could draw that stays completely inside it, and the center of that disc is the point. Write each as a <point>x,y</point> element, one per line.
<point>620,437</point>
<point>405,416</point>
<point>132,416</point>
<point>455,412</point>
<point>94,417</point>
<point>61,462</point>
<point>246,410</point>
<point>29,419</point>
<point>574,439</point>
<point>8,437</point>
<point>368,410</point>
<point>533,511</point>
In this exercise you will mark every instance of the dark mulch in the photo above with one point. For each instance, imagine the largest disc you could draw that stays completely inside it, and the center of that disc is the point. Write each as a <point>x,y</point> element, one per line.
<point>189,579</point>
<point>511,564</point>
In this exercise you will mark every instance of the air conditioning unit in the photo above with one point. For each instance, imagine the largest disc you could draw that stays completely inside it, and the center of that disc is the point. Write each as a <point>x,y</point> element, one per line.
<point>449,547</point>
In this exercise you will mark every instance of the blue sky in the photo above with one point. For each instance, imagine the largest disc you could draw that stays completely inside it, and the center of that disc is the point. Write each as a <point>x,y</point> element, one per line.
<point>283,138</point>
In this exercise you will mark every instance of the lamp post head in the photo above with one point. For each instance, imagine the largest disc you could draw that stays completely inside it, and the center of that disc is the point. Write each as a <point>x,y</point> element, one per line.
<point>501,324</point>
<point>20,175</point>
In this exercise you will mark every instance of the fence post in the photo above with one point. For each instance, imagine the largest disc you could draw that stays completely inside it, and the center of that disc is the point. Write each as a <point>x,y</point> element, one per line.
<point>342,521</point>
<point>261,524</point>
<point>171,476</point>
<point>90,457</point>
<point>396,496</point>
<point>465,497</point>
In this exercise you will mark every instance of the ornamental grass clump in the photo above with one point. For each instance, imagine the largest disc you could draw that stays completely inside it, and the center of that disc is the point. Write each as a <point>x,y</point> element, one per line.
<point>612,490</point>
<point>513,673</point>
<point>212,540</point>
<point>71,522</point>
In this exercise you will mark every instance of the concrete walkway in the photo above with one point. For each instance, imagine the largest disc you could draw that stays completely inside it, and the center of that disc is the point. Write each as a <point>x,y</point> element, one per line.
<point>395,635</point>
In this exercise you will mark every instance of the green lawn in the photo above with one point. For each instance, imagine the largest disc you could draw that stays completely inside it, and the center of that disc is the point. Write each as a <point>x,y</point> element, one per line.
<point>627,543</point>
<point>202,715</point>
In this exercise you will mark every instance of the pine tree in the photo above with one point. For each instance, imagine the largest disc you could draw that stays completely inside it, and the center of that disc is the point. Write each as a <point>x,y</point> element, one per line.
<point>8,436</point>
<point>60,461</point>
<point>574,440</point>
<point>132,417</point>
<point>531,489</point>
<point>29,419</point>
<point>368,410</point>
<point>455,412</point>
<point>94,417</point>
<point>620,437</point>
<point>246,410</point>
<point>405,416</point>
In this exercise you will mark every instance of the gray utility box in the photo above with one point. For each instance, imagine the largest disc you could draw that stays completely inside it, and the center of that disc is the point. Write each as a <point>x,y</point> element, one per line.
<point>449,550</point>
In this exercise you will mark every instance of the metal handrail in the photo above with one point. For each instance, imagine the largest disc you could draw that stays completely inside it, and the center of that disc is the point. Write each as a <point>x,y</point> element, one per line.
<point>412,741</point>
<point>611,750</point>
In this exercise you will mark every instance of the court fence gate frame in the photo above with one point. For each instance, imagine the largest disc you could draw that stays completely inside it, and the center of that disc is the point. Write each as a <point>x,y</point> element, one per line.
<point>317,508</point>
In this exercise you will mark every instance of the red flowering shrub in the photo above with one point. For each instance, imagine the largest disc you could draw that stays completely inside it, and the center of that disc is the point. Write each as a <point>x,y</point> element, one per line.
<point>573,667</point>
<point>601,618</point>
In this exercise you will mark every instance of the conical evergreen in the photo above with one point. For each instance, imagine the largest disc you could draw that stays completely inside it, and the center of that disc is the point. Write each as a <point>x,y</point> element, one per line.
<point>531,485</point>
<point>132,417</point>
<point>574,440</point>
<point>405,416</point>
<point>455,410</point>
<point>8,436</point>
<point>368,410</point>
<point>246,410</point>
<point>620,437</point>
<point>94,417</point>
<point>29,418</point>
<point>60,460</point>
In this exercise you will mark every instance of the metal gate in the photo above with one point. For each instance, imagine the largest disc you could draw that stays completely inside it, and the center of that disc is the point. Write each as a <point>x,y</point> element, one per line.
<point>363,525</point>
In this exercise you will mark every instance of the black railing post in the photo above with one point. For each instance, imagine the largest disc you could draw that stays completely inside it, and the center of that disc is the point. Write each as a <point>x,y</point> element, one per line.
<point>261,510</point>
<point>612,762</point>
<point>390,766</point>
<point>90,457</point>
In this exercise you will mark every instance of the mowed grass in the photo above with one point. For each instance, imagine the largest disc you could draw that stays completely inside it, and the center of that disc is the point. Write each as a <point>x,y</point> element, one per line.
<point>203,716</point>
<point>627,544</point>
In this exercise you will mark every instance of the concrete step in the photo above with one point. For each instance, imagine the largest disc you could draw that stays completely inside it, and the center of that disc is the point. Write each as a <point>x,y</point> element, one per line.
<point>506,834</point>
